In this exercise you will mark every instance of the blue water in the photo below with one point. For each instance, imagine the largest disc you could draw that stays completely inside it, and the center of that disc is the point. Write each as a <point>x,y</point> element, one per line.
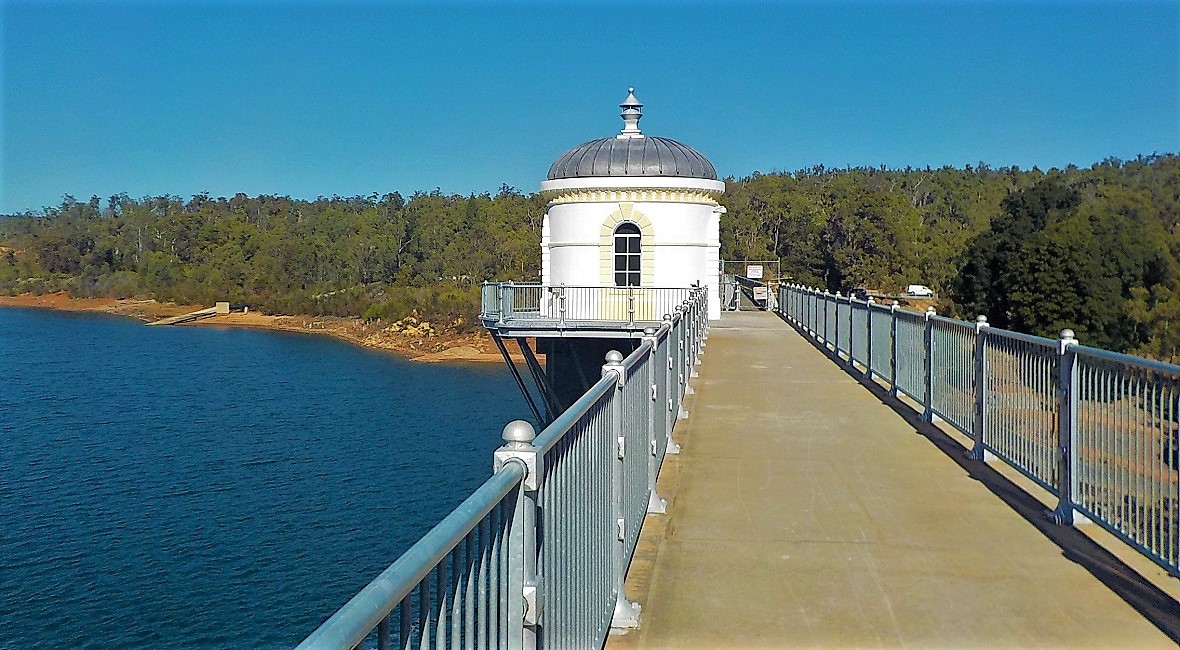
<point>188,487</point>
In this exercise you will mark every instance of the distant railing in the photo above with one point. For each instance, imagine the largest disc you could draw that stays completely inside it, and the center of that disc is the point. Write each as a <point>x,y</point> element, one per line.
<point>509,303</point>
<point>1098,429</point>
<point>494,574</point>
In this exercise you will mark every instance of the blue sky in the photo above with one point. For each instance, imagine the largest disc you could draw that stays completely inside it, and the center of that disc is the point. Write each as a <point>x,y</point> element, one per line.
<point>322,98</point>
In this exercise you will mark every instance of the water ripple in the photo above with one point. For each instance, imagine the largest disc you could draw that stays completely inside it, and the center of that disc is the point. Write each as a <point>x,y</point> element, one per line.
<point>202,488</point>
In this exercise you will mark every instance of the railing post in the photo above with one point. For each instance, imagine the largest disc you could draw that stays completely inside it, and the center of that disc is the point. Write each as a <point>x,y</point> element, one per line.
<point>893,348</point>
<point>655,504</point>
<point>630,305</point>
<point>703,306</point>
<point>806,310</point>
<point>815,313</point>
<point>694,308</point>
<point>979,423</point>
<point>851,334</point>
<point>686,355</point>
<point>505,301</point>
<point>812,314</point>
<point>928,367</point>
<point>626,614</point>
<point>869,338</point>
<point>522,559</point>
<point>561,304</point>
<point>826,341</point>
<point>673,410</point>
<point>483,299</point>
<point>1067,429</point>
<point>809,311</point>
<point>836,333</point>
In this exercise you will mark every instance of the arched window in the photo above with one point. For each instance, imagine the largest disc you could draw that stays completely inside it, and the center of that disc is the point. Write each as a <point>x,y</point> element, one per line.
<point>627,255</point>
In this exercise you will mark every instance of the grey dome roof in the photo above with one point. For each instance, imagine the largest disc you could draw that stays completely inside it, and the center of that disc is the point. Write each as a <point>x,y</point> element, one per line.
<point>632,156</point>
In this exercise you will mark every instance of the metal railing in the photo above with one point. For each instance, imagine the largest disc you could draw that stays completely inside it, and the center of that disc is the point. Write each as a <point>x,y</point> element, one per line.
<point>509,303</point>
<point>1098,429</point>
<point>496,574</point>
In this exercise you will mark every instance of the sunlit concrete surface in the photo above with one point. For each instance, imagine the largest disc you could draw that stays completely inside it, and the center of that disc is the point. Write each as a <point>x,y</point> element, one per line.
<point>809,510</point>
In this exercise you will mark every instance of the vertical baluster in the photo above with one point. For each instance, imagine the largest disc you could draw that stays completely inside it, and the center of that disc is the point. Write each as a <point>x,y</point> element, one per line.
<point>424,610</point>
<point>467,632</point>
<point>383,634</point>
<point>442,594</point>
<point>484,544</point>
<point>405,621</point>
<point>495,592</point>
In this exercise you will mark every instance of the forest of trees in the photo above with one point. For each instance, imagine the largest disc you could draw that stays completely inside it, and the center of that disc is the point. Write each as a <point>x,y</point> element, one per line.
<point>1096,249</point>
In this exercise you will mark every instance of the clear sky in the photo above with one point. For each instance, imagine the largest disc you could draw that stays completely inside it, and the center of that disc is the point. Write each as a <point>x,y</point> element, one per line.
<point>321,98</point>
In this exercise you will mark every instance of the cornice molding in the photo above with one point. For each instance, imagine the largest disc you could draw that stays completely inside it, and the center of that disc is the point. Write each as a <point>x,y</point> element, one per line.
<point>632,195</point>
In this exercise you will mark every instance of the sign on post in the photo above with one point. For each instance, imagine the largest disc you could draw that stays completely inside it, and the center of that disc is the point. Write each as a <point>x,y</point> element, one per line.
<point>754,271</point>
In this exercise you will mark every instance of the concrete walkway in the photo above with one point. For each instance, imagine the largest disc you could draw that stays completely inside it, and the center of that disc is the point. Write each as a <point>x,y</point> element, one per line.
<point>805,511</point>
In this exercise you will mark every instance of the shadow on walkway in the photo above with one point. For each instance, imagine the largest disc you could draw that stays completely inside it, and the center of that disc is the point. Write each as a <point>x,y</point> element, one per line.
<point>1156,605</point>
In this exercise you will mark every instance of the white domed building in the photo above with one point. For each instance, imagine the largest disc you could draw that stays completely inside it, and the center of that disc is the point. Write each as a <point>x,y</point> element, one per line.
<point>632,210</point>
<point>631,228</point>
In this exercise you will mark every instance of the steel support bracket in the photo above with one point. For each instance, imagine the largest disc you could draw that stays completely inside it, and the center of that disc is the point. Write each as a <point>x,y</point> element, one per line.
<point>626,616</point>
<point>528,457</point>
<point>532,604</point>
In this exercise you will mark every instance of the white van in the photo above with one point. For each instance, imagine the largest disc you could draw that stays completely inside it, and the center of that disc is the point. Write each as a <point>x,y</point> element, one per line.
<point>919,290</point>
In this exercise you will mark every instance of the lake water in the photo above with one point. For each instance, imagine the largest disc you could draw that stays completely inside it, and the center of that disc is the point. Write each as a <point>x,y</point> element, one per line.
<point>188,487</point>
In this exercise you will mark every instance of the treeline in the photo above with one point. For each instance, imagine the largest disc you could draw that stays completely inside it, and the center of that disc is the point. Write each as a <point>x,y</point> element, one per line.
<point>1092,249</point>
<point>373,256</point>
<point>1095,249</point>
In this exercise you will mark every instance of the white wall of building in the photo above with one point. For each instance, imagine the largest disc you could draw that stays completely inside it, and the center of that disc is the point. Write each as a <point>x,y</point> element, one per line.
<point>680,231</point>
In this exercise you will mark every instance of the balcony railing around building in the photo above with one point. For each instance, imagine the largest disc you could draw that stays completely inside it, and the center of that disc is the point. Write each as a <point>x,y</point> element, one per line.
<point>536,305</point>
<point>496,574</point>
<point>1097,429</point>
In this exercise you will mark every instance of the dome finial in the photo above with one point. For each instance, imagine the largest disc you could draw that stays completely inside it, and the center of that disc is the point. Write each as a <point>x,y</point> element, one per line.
<point>632,113</point>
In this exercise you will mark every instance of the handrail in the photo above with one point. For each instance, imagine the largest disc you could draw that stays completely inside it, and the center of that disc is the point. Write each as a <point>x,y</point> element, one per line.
<point>1130,360</point>
<point>353,622</point>
<point>536,305</point>
<point>481,576</point>
<point>564,422</point>
<point>1100,430</point>
<point>593,395</point>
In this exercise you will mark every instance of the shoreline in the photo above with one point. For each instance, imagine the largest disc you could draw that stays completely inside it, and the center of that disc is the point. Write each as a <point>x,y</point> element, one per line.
<point>409,338</point>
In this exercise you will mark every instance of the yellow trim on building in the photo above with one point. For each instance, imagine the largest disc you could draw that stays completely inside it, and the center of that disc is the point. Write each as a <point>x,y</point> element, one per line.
<point>632,195</point>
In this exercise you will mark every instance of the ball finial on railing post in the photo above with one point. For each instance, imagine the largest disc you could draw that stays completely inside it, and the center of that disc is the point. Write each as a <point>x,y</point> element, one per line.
<point>649,331</point>
<point>981,319</point>
<point>1067,334</point>
<point>518,445</point>
<point>614,363</point>
<point>519,431</point>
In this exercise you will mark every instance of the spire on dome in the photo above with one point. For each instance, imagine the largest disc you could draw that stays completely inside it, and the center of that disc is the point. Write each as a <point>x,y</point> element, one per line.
<point>632,113</point>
